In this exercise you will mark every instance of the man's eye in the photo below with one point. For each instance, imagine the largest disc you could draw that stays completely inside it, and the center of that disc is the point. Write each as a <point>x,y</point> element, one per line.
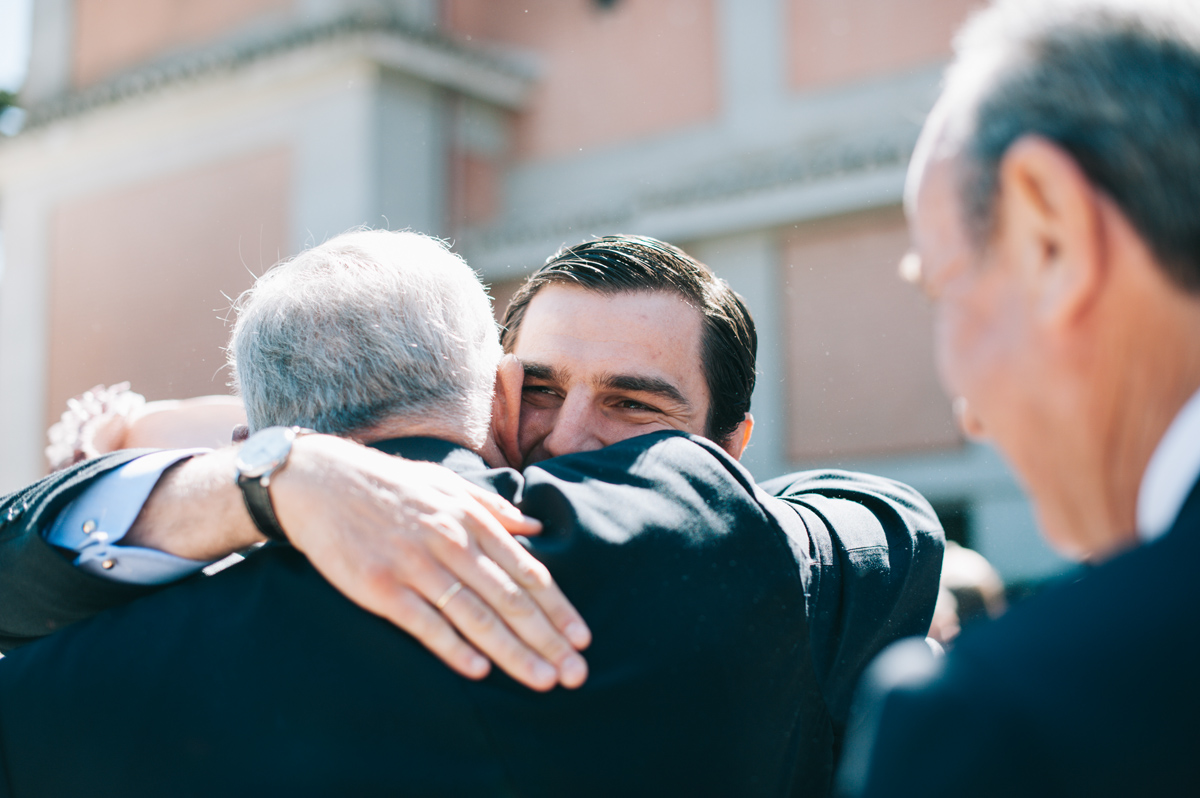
<point>540,395</point>
<point>630,404</point>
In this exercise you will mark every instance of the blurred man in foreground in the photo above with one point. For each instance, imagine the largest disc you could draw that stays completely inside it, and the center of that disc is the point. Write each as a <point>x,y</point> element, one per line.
<point>1053,204</point>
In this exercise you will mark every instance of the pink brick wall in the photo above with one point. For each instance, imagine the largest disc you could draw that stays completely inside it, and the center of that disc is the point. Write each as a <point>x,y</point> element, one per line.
<point>140,276</point>
<point>112,35</point>
<point>836,41</point>
<point>859,342</point>
<point>641,68</point>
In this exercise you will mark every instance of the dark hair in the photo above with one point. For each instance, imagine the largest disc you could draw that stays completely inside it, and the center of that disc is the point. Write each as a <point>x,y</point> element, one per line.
<point>1117,87</point>
<point>618,264</point>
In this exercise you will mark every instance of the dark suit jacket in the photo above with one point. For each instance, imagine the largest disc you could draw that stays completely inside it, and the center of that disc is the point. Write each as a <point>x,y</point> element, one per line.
<point>1089,689</point>
<point>727,628</point>
<point>40,590</point>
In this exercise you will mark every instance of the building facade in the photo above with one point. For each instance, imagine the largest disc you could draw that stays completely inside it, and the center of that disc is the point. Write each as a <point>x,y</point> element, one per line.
<point>173,150</point>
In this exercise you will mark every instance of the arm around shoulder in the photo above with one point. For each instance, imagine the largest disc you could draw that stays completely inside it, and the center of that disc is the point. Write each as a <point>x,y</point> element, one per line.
<point>872,565</point>
<point>40,589</point>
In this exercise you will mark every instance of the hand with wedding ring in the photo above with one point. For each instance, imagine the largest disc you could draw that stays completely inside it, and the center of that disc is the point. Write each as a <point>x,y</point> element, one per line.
<point>434,554</point>
<point>450,593</point>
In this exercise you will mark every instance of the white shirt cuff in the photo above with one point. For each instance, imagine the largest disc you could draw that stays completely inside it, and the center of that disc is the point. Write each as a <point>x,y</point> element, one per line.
<point>102,515</point>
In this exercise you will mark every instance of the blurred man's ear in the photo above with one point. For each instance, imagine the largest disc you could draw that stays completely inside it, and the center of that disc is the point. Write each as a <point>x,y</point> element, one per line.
<point>1050,224</point>
<point>506,414</point>
<point>739,439</point>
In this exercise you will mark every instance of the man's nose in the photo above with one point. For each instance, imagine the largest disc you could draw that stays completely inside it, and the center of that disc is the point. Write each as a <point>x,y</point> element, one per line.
<point>576,428</point>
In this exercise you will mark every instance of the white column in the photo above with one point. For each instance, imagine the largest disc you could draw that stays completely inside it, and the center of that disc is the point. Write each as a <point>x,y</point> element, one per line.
<point>50,50</point>
<point>748,261</point>
<point>753,69</point>
<point>412,147</point>
<point>23,326</point>
<point>335,166</point>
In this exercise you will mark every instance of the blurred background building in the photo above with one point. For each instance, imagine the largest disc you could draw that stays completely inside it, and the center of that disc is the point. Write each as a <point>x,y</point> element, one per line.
<point>173,149</point>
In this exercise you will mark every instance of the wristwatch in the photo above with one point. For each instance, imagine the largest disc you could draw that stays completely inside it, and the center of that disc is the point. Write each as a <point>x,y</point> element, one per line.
<point>264,454</point>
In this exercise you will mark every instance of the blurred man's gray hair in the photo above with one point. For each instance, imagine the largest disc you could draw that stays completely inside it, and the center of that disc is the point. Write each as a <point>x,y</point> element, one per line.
<point>1115,83</point>
<point>371,325</point>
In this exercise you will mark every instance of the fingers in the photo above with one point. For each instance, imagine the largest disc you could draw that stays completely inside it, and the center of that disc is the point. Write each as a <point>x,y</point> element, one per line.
<point>476,621</point>
<point>506,621</point>
<point>502,510</point>
<point>462,610</point>
<point>394,536</point>
<point>414,615</point>
<point>532,576</point>
<point>525,617</point>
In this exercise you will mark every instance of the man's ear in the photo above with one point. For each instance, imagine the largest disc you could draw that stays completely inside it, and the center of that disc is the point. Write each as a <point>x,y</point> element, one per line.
<point>739,439</point>
<point>506,414</point>
<point>1049,217</point>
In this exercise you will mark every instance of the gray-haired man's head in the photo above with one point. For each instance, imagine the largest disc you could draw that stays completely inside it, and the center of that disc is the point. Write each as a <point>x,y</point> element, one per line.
<point>1052,204</point>
<point>369,327</point>
<point>1115,83</point>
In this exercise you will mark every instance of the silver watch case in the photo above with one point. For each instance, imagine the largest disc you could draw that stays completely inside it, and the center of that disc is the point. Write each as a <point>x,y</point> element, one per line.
<point>264,453</point>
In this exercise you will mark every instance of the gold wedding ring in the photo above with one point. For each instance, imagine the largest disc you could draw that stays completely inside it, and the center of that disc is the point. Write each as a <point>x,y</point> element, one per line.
<point>450,593</point>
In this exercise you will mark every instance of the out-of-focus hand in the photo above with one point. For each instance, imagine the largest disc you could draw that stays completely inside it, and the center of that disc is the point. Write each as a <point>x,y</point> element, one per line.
<point>206,421</point>
<point>105,419</point>
<point>95,422</point>
<point>396,536</point>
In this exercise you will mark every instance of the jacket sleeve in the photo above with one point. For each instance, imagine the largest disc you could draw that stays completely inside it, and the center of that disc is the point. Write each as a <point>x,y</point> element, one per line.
<point>870,553</point>
<point>930,726</point>
<point>40,589</point>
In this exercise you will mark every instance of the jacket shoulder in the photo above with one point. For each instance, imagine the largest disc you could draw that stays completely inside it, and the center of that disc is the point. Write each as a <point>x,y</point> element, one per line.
<point>40,589</point>
<point>1084,689</point>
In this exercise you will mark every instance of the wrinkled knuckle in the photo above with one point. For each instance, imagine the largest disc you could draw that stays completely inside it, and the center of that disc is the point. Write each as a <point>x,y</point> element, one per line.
<point>516,602</point>
<point>529,663</point>
<point>490,503</point>
<point>533,575</point>
<point>556,649</point>
<point>401,547</point>
<point>479,616</point>
<point>428,521</point>
<point>451,537</point>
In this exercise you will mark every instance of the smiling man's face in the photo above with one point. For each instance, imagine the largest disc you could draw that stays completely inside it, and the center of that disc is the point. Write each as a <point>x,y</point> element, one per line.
<point>600,368</point>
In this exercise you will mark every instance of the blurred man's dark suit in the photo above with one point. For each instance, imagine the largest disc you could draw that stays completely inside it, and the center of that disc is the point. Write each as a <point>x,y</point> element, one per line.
<point>1045,687</point>
<point>729,628</point>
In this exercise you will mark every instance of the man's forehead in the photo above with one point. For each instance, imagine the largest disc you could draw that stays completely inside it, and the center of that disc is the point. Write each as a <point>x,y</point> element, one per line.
<point>939,143</point>
<point>582,333</point>
<point>933,207</point>
<point>587,314</point>
<point>557,293</point>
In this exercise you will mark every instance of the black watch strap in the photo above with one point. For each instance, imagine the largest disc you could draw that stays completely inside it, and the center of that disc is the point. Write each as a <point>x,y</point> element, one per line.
<point>262,511</point>
<point>262,455</point>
